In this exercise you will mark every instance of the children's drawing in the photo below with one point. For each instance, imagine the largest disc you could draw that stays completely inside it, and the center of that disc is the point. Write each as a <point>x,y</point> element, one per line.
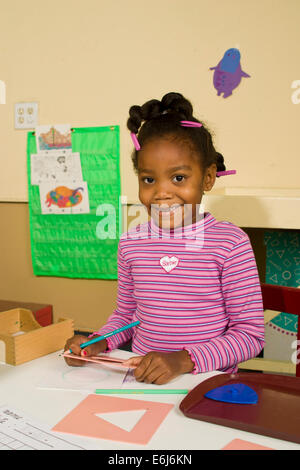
<point>53,137</point>
<point>228,73</point>
<point>65,198</point>
<point>55,167</point>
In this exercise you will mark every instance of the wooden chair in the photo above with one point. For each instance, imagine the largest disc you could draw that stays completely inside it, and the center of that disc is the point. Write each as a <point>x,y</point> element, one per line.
<point>276,299</point>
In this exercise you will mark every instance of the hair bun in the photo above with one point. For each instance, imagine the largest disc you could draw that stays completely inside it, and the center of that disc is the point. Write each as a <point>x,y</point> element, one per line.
<point>220,162</point>
<point>152,109</point>
<point>135,118</point>
<point>176,103</point>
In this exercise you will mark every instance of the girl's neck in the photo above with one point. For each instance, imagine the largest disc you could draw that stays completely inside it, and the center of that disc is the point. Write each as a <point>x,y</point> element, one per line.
<point>187,228</point>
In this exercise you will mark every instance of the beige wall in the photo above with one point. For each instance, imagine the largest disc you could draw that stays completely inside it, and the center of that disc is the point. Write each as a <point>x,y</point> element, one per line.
<point>88,302</point>
<point>86,63</point>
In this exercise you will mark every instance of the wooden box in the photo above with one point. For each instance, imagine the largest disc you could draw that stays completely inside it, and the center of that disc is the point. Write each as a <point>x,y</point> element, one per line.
<point>43,313</point>
<point>25,339</point>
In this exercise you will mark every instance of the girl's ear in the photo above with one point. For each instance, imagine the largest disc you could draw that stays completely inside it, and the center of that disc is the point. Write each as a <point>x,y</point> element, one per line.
<point>210,177</point>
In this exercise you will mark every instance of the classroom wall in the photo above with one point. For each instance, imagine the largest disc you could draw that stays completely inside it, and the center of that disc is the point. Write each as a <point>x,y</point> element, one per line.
<point>88,302</point>
<point>86,63</point>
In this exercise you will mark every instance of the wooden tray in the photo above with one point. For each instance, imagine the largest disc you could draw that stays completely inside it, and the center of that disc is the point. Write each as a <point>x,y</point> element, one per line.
<point>277,413</point>
<point>25,339</point>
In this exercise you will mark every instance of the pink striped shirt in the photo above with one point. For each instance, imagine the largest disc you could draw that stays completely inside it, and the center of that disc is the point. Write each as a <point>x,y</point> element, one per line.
<point>195,288</point>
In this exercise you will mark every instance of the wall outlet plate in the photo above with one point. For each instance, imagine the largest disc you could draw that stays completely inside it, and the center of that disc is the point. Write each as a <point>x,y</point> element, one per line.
<point>26,115</point>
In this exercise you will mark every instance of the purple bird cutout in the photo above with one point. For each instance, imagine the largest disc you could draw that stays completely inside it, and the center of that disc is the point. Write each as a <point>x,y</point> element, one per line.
<point>228,73</point>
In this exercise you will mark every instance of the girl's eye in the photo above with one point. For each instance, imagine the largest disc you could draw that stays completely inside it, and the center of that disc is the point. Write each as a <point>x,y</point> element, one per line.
<point>148,180</point>
<point>179,178</point>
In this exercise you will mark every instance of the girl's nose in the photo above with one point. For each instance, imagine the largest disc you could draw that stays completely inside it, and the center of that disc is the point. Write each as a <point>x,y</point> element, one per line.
<point>162,192</point>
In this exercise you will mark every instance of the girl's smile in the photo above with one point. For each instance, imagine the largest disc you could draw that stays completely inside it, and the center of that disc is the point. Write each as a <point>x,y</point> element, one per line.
<point>172,182</point>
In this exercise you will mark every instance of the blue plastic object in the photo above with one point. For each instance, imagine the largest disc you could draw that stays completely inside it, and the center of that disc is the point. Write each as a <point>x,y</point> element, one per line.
<point>233,393</point>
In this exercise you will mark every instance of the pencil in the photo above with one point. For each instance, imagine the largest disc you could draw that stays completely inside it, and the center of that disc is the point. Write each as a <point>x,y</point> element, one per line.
<point>111,333</point>
<point>154,391</point>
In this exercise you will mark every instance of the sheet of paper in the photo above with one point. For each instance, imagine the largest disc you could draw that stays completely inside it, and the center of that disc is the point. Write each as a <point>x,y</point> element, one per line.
<point>85,379</point>
<point>101,359</point>
<point>93,376</point>
<point>53,137</point>
<point>19,432</point>
<point>185,381</point>
<point>88,419</point>
<point>64,198</point>
<point>55,166</point>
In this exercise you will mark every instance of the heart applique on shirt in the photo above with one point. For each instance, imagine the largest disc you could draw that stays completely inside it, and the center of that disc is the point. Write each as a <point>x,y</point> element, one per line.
<point>168,263</point>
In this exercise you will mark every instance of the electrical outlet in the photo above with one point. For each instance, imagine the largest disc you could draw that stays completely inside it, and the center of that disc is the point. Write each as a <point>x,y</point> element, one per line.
<point>26,115</point>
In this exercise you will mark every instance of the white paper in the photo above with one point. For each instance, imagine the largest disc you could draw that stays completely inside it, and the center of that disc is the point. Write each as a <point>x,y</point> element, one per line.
<point>53,137</point>
<point>87,378</point>
<point>64,197</point>
<point>19,432</point>
<point>95,376</point>
<point>182,382</point>
<point>55,166</point>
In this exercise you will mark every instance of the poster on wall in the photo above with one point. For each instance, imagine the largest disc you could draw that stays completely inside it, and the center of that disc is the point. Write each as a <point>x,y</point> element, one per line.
<point>228,73</point>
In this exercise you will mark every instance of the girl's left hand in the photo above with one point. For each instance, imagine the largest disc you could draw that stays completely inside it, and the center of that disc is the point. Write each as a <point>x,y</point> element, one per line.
<point>159,368</point>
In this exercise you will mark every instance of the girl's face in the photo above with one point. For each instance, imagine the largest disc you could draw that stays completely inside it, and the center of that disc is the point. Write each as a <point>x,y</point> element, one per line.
<point>171,182</point>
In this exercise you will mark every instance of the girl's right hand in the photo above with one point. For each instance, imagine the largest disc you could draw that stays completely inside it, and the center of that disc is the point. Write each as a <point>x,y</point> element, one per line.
<point>92,350</point>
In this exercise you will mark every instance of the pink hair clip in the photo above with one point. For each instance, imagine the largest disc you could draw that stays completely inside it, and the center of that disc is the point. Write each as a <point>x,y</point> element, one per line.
<point>135,141</point>
<point>190,124</point>
<point>224,173</point>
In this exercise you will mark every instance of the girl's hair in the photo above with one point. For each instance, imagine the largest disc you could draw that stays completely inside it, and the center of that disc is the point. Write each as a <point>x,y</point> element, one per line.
<point>162,119</point>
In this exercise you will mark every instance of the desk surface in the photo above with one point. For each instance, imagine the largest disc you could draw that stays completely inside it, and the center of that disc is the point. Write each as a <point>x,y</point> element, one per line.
<point>19,390</point>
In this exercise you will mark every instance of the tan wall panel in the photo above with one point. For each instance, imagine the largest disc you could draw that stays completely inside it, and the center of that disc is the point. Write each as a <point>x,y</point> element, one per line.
<point>88,302</point>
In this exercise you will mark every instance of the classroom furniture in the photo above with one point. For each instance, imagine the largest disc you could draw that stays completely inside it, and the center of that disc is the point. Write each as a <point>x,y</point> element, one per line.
<point>267,208</point>
<point>277,298</point>
<point>43,313</point>
<point>25,339</point>
<point>218,400</point>
<point>19,389</point>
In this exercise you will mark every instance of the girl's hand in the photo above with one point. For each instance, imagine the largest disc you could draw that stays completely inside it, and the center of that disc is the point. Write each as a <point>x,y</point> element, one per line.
<point>92,350</point>
<point>159,368</point>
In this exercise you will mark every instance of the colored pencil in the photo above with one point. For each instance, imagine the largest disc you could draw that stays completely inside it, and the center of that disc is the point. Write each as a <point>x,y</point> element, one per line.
<point>111,333</point>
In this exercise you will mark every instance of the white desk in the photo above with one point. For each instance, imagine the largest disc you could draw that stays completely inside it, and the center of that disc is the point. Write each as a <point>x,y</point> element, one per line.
<point>18,388</point>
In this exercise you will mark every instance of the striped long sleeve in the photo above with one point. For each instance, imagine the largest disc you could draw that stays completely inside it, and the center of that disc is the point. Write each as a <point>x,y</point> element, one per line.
<point>243,338</point>
<point>204,297</point>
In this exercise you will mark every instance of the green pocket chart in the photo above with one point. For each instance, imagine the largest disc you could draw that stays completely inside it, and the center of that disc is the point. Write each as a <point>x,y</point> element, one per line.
<point>81,245</point>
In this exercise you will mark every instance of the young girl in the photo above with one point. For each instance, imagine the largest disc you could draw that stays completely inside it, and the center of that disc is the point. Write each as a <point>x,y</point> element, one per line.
<point>190,280</point>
